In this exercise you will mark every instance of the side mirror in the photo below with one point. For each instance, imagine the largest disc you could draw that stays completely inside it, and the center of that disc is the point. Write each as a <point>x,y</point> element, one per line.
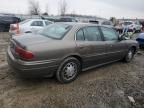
<point>121,37</point>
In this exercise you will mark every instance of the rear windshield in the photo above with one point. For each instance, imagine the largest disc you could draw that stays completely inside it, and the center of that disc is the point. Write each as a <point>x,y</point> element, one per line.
<point>127,23</point>
<point>55,31</point>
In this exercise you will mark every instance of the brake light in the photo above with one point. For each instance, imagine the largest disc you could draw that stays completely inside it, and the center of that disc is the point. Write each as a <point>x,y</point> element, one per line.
<point>12,27</point>
<point>25,55</point>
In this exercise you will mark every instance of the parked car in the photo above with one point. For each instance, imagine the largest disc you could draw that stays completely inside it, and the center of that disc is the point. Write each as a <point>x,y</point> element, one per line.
<point>133,26</point>
<point>119,27</point>
<point>65,49</point>
<point>102,22</point>
<point>66,19</point>
<point>52,19</point>
<point>140,40</point>
<point>5,22</point>
<point>28,26</point>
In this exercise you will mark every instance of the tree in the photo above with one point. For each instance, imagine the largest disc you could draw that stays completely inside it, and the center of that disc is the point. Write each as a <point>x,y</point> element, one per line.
<point>113,20</point>
<point>45,13</point>
<point>73,13</point>
<point>34,8</point>
<point>46,10</point>
<point>63,7</point>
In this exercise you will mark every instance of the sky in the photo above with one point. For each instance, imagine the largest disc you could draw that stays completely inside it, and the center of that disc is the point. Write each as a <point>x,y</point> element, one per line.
<point>101,8</point>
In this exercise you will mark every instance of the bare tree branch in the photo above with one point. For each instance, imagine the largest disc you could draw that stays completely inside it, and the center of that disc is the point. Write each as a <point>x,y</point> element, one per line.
<point>63,7</point>
<point>47,9</point>
<point>34,8</point>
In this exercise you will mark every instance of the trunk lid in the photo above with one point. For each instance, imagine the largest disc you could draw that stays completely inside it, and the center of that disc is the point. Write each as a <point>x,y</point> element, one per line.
<point>24,41</point>
<point>30,39</point>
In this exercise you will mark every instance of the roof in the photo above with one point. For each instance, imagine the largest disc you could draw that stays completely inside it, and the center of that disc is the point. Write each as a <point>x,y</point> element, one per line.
<point>81,24</point>
<point>78,23</point>
<point>37,19</point>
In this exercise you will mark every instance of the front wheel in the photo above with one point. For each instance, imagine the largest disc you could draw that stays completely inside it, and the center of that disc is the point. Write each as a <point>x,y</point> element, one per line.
<point>68,70</point>
<point>129,56</point>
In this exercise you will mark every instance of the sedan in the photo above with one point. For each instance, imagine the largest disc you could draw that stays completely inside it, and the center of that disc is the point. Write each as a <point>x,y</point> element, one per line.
<point>140,40</point>
<point>28,26</point>
<point>65,49</point>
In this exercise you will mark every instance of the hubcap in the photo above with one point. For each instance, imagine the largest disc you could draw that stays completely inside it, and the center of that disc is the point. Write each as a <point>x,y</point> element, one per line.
<point>70,71</point>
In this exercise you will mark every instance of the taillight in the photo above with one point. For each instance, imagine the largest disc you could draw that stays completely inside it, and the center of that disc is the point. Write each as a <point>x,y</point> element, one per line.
<point>12,27</point>
<point>23,54</point>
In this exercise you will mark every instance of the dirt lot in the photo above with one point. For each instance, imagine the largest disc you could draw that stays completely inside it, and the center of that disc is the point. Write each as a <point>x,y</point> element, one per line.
<point>105,87</point>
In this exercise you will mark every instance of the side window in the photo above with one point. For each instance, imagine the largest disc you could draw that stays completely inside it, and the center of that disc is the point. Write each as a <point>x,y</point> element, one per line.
<point>109,34</point>
<point>47,23</point>
<point>92,34</point>
<point>80,35</point>
<point>37,23</point>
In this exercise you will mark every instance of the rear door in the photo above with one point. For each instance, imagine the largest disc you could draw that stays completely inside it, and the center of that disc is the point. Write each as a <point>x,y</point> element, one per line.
<point>47,23</point>
<point>36,26</point>
<point>115,49</point>
<point>90,46</point>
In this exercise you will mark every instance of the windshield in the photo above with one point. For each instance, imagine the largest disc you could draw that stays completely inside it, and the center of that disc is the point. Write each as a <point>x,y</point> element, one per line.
<point>55,31</point>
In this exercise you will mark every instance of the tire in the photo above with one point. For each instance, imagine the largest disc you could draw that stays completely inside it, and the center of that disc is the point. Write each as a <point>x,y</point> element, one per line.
<point>130,55</point>
<point>68,70</point>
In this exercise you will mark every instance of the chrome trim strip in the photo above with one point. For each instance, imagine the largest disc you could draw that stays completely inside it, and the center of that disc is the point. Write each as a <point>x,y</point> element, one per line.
<point>85,69</point>
<point>31,62</point>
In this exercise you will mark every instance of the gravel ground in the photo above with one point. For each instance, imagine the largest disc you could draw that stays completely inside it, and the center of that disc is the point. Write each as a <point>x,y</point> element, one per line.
<point>105,87</point>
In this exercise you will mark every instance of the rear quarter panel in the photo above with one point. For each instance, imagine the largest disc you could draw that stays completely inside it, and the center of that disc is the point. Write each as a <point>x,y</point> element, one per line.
<point>53,50</point>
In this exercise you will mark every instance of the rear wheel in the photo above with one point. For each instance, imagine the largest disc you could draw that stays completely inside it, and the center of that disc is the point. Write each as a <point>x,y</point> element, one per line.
<point>68,70</point>
<point>129,56</point>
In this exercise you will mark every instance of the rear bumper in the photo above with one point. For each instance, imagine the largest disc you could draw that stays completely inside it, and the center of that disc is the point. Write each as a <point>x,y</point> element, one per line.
<point>28,70</point>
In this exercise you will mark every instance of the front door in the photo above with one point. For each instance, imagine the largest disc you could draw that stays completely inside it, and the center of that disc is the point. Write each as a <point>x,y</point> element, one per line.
<point>36,26</point>
<point>115,49</point>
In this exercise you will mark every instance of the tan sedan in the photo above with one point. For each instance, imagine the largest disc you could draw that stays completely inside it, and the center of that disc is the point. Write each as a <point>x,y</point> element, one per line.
<point>65,49</point>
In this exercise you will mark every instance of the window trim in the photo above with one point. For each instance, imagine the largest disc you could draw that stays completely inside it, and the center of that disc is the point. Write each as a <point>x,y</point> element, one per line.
<point>77,33</point>
<point>75,37</point>
<point>48,22</point>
